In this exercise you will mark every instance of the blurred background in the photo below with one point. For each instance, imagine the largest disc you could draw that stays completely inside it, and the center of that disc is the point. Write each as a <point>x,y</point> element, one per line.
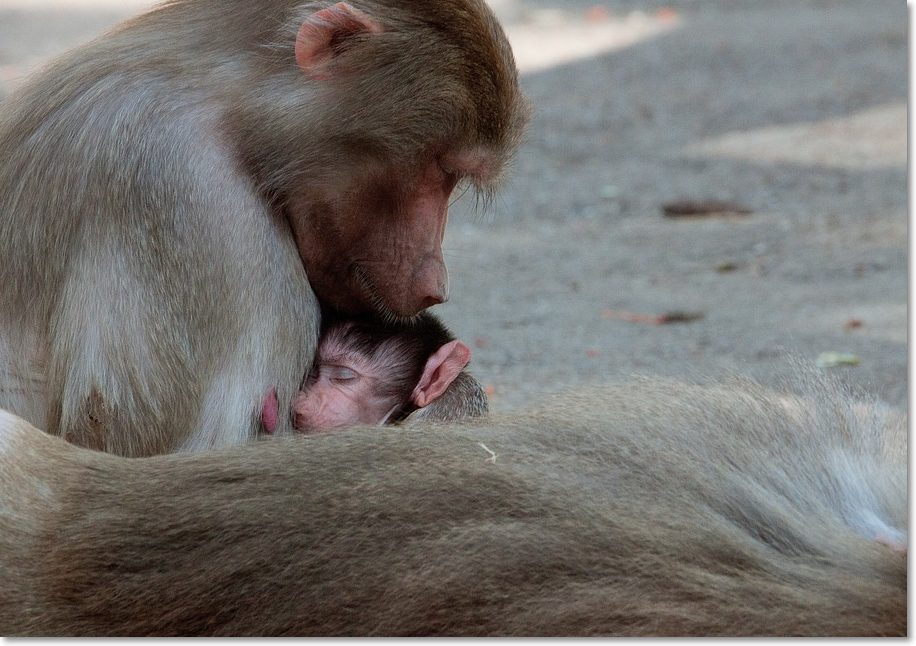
<point>708,187</point>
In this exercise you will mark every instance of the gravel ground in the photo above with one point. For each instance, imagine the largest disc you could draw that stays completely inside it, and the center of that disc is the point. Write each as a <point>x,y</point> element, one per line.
<point>796,110</point>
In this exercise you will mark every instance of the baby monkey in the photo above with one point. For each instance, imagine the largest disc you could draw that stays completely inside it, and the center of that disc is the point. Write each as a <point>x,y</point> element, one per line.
<point>366,372</point>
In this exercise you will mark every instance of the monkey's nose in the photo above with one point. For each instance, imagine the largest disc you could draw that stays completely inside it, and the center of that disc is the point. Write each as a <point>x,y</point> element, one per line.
<point>440,295</point>
<point>432,284</point>
<point>429,301</point>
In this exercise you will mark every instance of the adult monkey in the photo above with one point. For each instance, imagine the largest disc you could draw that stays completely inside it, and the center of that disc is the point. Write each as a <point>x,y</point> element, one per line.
<point>644,509</point>
<point>162,189</point>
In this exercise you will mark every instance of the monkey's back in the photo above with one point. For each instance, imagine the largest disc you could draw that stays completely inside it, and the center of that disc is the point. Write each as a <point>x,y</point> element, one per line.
<point>644,509</point>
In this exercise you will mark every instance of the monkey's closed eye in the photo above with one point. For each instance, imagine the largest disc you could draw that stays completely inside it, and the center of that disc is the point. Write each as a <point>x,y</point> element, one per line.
<point>340,374</point>
<point>452,174</point>
<point>460,181</point>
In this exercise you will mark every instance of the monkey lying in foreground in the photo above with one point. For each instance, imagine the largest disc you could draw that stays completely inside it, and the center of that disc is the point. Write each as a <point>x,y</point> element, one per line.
<point>642,509</point>
<point>367,372</point>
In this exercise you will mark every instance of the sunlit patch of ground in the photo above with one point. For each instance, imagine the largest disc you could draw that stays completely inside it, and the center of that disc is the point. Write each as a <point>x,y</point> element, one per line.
<point>869,139</point>
<point>552,38</point>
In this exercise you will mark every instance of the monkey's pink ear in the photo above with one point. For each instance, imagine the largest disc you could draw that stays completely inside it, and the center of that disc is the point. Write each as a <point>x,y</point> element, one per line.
<point>441,369</point>
<point>323,29</point>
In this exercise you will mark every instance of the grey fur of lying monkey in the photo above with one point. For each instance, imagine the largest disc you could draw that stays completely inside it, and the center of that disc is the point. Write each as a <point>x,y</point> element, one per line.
<point>651,508</point>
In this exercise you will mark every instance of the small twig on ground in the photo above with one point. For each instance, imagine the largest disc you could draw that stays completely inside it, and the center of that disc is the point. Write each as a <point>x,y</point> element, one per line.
<point>675,316</point>
<point>703,208</point>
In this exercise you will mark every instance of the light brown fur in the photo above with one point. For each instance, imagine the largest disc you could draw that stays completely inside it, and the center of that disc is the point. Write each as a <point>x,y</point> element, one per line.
<point>642,509</point>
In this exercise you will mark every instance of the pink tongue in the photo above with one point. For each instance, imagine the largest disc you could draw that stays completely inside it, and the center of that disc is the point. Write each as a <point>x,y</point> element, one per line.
<point>270,413</point>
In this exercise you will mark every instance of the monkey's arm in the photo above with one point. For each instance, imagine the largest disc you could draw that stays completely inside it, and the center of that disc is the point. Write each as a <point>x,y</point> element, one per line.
<point>167,299</point>
<point>658,510</point>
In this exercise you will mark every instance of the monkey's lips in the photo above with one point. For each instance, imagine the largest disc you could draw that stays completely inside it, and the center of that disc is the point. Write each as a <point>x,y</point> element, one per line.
<point>373,299</point>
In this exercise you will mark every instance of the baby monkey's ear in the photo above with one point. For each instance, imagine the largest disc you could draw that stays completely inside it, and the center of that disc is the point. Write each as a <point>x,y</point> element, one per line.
<point>440,371</point>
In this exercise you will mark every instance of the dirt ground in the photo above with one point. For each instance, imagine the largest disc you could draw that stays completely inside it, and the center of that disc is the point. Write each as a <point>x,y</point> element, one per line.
<point>796,110</point>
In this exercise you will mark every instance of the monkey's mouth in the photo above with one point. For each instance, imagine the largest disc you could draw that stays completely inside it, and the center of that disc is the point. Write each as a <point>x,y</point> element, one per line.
<point>373,298</point>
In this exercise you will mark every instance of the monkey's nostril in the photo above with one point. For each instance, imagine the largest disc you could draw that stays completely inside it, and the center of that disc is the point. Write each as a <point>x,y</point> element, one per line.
<point>429,301</point>
<point>431,285</point>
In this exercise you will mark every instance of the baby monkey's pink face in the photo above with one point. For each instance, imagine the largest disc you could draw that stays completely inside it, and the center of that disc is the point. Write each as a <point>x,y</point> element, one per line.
<point>349,386</point>
<point>344,389</point>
